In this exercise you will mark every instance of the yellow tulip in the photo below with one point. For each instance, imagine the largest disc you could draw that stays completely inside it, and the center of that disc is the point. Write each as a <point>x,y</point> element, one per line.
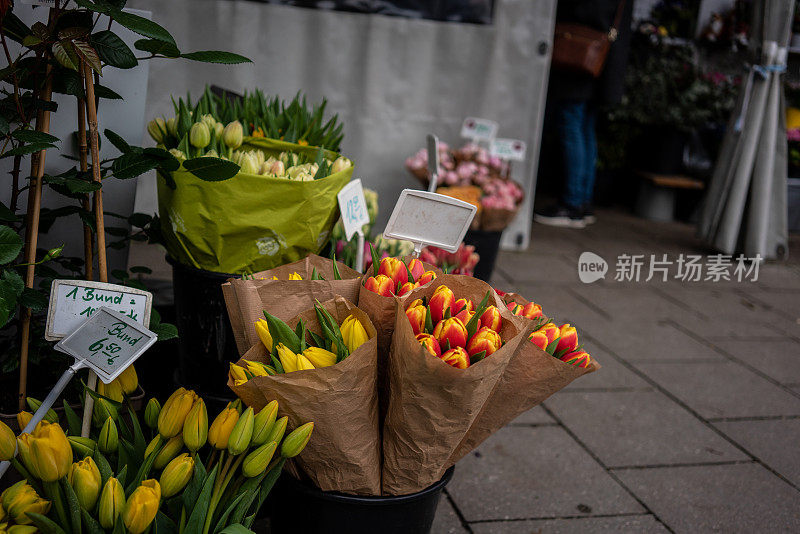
<point>242,431</point>
<point>353,333</point>
<point>288,358</point>
<point>295,276</point>
<point>262,423</point>
<point>221,428</point>
<point>34,404</point>
<point>296,441</point>
<point>50,452</point>
<point>2,512</point>
<point>111,504</point>
<point>176,475</point>
<point>153,445</point>
<point>237,372</point>
<point>170,451</point>
<point>278,430</point>
<point>151,412</point>
<point>112,391</point>
<point>129,380</point>
<point>84,477</point>
<point>238,382</point>
<point>320,357</point>
<point>174,412</point>
<point>22,529</point>
<point>304,363</point>
<point>23,418</point>
<point>108,440</point>
<point>236,405</point>
<point>21,499</point>
<point>24,452</point>
<point>8,443</point>
<point>257,461</point>
<point>262,329</point>
<point>195,428</point>
<point>256,368</point>
<point>142,507</point>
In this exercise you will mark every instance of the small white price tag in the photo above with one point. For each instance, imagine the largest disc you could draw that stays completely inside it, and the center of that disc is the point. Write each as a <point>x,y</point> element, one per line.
<point>353,207</point>
<point>429,218</point>
<point>478,129</point>
<point>508,149</point>
<point>74,301</point>
<point>107,343</point>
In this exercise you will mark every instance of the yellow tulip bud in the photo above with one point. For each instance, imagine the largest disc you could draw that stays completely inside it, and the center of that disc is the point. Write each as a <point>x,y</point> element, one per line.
<point>23,418</point>
<point>157,128</point>
<point>248,164</point>
<point>174,412</point>
<point>113,390</point>
<point>142,506</point>
<point>84,477</point>
<point>103,409</point>
<point>236,405</point>
<point>154,444</point>
<point>278,430</point>
<point>24,453</point>
<point>295,276</point>
<point>262,330</point>
<point>221,428</point>
<point>108,440</point>
<point>22,529</point>
<point>320,357</point>
<point>199,135</point>
<point>129,380</point>
<point>50,452</point>
<point>82,446</point>
<point>111,504</point>
<point>256,368</point>
<point>170,451</point>
<point>262,423</point>
<point>341,164</point>
<point>296,441</point>
<point>8,442</point>
<point>2,513</point>
<point>195,428</point>
<point>218,129</point>
<point>287,358</point>
<point>176,475</point>
<point>257,461</point>
<point>177,154</point>
<point>303,363</point>
<point>353,333</point>
<point>34,404</point>
<point>233,134</point>
<point>151,412</point>
<point>242,432</point>
<point>172,126</point>
<point>237,372</point>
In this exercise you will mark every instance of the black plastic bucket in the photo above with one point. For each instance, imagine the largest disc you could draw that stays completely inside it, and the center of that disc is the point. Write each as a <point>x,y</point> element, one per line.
<point>298,507</point>
<point>206,342</point>
<point>486,245</point>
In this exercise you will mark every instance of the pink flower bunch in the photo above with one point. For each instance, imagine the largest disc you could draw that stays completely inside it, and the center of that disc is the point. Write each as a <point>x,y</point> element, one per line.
<point>793,135</point>
<point>419,161</point>
<point>501,194</point>
<point>462,261</point>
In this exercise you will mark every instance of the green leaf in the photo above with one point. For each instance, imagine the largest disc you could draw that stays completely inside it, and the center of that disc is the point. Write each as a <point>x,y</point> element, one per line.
<point>103,466</point>
<point>478,356</point>
<point>10,245</point>
<point>429,321</point>
<point>195,485</point>
<point>551,348</point>
<point>91,524</point>
<point>236,529</point>
<point>211,169</point>
<point>73,507</point>
<point>33,299</point>
<point>3,121</point>
<point>45,525</point>
<point>117,140</point>
<point>166,331</point>
<point>33,136</point>
<point>27,149</point>
<point>65,54</point>
<point>142,26</point>
<point>73,421</point>
<point>266,486</point>
<point>139,443</point>
<point>101,91</point>
<point>14,281</point>
<point>157,47</point>
<point>131,165</point>
<point>224,517</point>
<point>281,333</point>
<point>200,506</point>
<point>113,50</point>
<point>76,185</point>
<point>6,215</point>
<point>375,260</point>
<point>164,525</point>
<point>216,56</point>
<point>336,274</point>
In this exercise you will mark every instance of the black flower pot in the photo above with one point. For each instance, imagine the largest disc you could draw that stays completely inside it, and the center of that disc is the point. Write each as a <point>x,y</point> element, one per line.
<point>486,244</point>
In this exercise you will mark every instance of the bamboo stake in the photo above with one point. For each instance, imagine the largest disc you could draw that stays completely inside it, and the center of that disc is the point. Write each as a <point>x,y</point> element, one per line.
<point>32,236</point>
<point>83,154</point>
<point>102,268</point>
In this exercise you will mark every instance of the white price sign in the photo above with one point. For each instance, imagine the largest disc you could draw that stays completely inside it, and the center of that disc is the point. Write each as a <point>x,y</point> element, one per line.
<point>107,343</point>
<point>353,206</point>
<point>478,129</point>
<point>429,218</point>
<point>508,149</point>
<point>74,301</point>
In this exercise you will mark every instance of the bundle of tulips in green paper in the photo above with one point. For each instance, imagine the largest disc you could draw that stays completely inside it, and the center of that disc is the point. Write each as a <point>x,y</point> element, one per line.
<point>190,477</point>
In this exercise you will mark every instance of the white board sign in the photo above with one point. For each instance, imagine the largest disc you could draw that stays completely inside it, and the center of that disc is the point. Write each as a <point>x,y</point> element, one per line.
<point>107,343</point>
<point>74,301</point>
<point>508,149</point>
<point>430,219</point>
<point>353,206</point>
<point>478,129</point>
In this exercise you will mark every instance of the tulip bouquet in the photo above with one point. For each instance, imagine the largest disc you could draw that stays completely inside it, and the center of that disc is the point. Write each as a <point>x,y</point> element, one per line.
<point>114,481</point>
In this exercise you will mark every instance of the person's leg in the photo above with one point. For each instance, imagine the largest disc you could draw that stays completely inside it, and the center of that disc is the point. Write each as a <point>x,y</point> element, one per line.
<point>590,161</point>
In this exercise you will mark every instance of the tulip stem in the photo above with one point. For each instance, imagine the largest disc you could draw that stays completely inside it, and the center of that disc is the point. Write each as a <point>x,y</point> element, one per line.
<point>223,479</point>
<point>53,491</point>
<point>182,524</point>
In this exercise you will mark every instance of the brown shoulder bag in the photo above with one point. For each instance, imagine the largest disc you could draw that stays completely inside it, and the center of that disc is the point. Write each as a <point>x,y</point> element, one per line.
<point>579,48</point>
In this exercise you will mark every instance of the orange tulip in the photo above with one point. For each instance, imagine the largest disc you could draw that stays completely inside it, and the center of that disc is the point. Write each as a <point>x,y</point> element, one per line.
<point>484,339</point>
<point>515,308</point>
<point>430,344</point>
<point>568,338</point>
<point>457,357</point>
<point>465,315</point>
<point>427,276</point>
<point>381,284</point>
<point>394,269</point>
<point>416,316</point>
<point>539,338</point>
<point>578,358</point>
<point>462,304</point>
<point>441,300</point>
<point>491,319</point>
<point>531,310</point>
<point>416,302</point>
<point>551,331</point>
<point>416,268</point>
<point>451,331</point>
<point>407,288</point>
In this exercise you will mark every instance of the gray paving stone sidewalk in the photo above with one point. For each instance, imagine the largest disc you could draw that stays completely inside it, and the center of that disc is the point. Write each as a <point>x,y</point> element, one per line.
<point>691,425</point>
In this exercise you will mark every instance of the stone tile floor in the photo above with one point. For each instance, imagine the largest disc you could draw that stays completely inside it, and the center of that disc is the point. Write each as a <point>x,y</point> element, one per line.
<point>691,425</point>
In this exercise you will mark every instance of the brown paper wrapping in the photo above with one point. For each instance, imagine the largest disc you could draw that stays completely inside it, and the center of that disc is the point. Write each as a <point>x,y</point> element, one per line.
<point>246,300</point>
<point>344,451</point>
<point>432,405</point>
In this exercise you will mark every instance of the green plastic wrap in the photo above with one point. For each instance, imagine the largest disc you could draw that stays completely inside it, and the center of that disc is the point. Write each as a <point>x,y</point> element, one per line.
<point>248,223</point>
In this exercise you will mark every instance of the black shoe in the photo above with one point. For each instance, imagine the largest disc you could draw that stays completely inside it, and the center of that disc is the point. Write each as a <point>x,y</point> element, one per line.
<point>588,214</point>
<point>560,215</point>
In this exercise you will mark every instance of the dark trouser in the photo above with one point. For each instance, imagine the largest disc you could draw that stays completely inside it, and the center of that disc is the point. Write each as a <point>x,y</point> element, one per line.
<point>575,123</point>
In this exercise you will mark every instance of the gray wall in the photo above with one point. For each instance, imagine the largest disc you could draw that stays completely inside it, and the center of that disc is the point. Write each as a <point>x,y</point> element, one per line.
<point>392,80</point>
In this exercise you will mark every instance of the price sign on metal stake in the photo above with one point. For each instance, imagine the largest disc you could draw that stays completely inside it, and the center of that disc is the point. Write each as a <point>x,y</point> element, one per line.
<point>433,162</point>
<point>355,215</point>
<point>479,129</point>
<point>508,149</point>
